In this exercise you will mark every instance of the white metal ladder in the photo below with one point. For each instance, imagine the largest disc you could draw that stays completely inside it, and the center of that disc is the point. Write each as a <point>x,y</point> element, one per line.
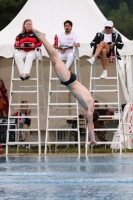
<point>111,89</point>
<point>61,106</point>
<point>36,106</point>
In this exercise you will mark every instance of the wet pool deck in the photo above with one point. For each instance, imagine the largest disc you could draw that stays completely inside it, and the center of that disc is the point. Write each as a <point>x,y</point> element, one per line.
<point>68,154</point>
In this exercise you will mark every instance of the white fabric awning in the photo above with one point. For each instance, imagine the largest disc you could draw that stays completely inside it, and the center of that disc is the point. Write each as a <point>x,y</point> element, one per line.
<point>49,15</point>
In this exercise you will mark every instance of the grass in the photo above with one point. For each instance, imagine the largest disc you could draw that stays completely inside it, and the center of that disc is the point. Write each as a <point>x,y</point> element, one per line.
<point>61,149</point>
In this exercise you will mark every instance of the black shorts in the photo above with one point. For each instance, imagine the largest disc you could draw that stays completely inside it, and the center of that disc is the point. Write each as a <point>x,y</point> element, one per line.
<point>71,80</point>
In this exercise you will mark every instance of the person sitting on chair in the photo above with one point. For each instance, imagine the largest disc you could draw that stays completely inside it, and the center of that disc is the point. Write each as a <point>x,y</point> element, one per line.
<point>67,78</point>
<point>24,123</point>
<point>67,40</point>
<point>100,123</point>
<point>103,43</point>
<point>26,42</point>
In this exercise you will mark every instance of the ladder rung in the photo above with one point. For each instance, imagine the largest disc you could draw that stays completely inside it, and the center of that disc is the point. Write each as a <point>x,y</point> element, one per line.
<point>62,104</point>
<point>30,79</point>
<point>106,129</point>
<point>93,78</point>
<point>12,124</point>
<point>32,86</point>
<point>104,91</point>
<point>12,143</point>
<point>24,91</point>
<point>63,116</point>
<point>107,142</point>
<point>105,85</point>
<point>61,108</point>
<point>60,91</point>
<point>15,129</point>
<point>12,108</point>
<point>27,104</point>
<point>28,86</point>
<point>108,116</point>
<point>22,117</point>
<point>62,129</point>
<point>103,107</point>
<point>106,103</point>
<point>52,79</point>
<point>59,142</point>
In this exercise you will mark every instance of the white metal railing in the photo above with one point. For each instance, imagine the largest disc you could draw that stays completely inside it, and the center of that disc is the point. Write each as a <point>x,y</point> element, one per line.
<point>57,106</point>
<point>94,88</point>
<point>12,105</point>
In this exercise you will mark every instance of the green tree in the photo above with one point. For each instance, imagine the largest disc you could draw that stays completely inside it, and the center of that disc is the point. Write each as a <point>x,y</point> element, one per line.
<point>123,20</point>
<point>120,12</point>
<point>107,5</point>
<point>8,10</point>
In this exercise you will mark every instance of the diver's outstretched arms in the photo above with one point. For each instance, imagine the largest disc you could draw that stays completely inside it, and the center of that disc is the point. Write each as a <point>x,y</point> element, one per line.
<point>92,143</point>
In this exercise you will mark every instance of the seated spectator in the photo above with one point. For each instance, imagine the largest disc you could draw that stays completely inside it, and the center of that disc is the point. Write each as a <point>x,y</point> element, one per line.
<point>67,40</point>
<point>103,43</point>
<point>24,123</point>
<point>100,124</point>
<point>26,43</point>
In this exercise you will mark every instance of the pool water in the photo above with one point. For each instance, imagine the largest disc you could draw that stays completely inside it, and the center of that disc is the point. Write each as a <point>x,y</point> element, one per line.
<point>66,178</point>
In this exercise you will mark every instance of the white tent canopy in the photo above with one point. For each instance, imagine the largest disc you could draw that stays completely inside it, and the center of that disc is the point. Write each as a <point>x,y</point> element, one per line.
<point>49,15</point>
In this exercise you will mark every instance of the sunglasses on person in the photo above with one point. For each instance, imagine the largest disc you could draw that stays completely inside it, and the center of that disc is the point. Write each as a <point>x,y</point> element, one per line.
<point>107,27</point>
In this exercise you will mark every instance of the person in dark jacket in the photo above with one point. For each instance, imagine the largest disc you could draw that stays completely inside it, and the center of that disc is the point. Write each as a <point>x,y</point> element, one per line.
<point>103,43</point>
<point>26,42</point>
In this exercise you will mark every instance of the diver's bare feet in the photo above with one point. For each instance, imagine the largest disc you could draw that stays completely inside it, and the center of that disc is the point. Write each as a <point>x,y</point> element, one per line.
<point>92,143</point>
<point>39,34</point>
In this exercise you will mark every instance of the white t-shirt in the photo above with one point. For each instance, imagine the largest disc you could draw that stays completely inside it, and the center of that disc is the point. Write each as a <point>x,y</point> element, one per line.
<point>69,40</point>
<point>107,37</point>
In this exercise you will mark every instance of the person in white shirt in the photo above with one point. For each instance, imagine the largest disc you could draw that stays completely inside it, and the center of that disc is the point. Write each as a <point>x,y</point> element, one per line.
<point>67,40</point>
<point>104,42</point>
